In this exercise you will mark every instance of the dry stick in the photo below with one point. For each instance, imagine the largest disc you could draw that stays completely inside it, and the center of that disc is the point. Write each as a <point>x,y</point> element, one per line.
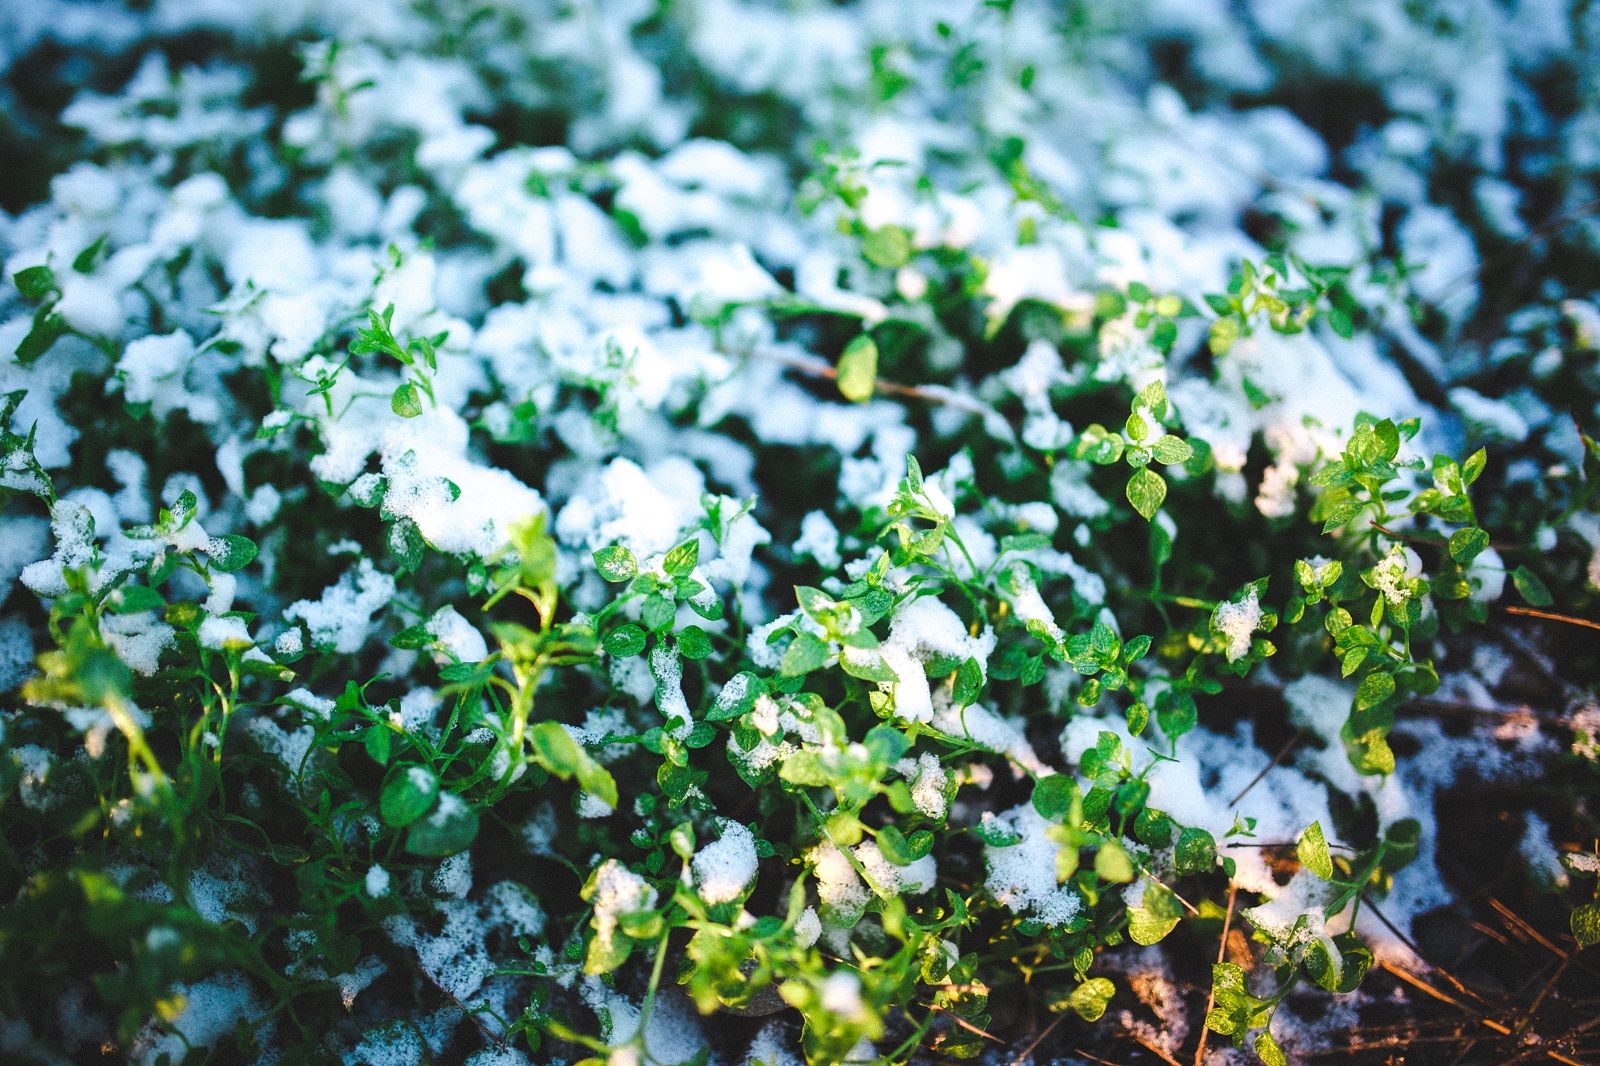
<point>1022,1056</point>
<point>1553,617</point>
<point>1533,1008</point>
<point>1417,951</point>
<point>1211,994</point>
<point>1489,1023</point>
<point>1560,222</point>
<point>1148,1046</point>
<point>929,393</point>
<point>964,1023</point>
<point>1527,930</point>
<point>1254,781</point>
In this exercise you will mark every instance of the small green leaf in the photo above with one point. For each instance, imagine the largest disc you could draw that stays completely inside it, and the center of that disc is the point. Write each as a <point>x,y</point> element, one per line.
<point>1224,334</point>
<point>886,743</point>
<point>1090,999</point>
<point>1586,925</point>
<point>555,749</point>
<point>681,561</point>
<point>858,369</point>
<point>131,599</point>
<point>626,640</point>
<point>1154,396</point>
<point>969,682</point>
<point>1473,467</point>
<point>1053,796</point>
<point>1146,491</point>
<point>407,795</point>
<point>693,644</point>
<point>1195,852</point>
<point>35,282</point>
<point>616,563</point>
<point>1269,1051</point>
<point>1373,690</point>
<point>1111,863</point>
<point>412,637</point>
<point>451,827</point>
<point>406,401</point>
<point>901,849</point>
<point>1169,450</point>
<point>231,552</point>
<point>1531,587</point>
<point>806,653</point>
<point>47,328</point>
<point>1467,544</point>
<point>1155,917</point>
<point>1312,848</point>
<point>887,246</point>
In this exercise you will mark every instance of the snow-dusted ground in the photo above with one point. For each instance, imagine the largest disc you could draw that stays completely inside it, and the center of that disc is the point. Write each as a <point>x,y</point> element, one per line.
<point>612,222</point>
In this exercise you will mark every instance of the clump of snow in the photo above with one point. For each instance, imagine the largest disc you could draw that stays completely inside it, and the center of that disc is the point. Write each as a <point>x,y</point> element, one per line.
<point>724,868</point>
<point>1022,876</point>
<point>924,627</point>
<point>928,783</point>
<point>1236,621</point>
<point>342,617</point>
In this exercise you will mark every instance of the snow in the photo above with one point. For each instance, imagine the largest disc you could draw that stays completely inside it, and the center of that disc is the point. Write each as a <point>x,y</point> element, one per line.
<point>928,783</point>
<point>342,617</point>
<point>667,668</point>
<point>377,882</point>
<point>219,633</point>
<point>1237,621</point>
<point>457,636</point>
<point>921,628</point>
<point>843,894</point>
<point>211,1008</point>
<point>618,891</point>
<point>1022,876</point>
<point>725,868</point>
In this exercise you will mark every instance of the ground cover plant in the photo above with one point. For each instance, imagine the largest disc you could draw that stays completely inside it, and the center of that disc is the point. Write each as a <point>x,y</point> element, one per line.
<point>720,532</point>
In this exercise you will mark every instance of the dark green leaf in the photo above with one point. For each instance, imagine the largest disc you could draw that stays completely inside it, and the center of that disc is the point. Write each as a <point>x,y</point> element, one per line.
<point>406,401</point>
<point>35,282</point>
<point>1531,587</point>
<point>625,640</point>
<point>407,795</point>
<point>231,552</point>
<point>693,644</point>
<point>451,827</point>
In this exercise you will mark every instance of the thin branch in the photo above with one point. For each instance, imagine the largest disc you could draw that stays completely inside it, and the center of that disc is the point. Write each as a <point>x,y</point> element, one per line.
<point>1553,617</point>
<point>1211,995</point>
<point>1022,1056</point>
<point>1276,759</point>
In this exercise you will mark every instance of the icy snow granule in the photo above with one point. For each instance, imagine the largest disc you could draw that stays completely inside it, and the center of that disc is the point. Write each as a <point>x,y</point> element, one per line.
<point>377,882</point>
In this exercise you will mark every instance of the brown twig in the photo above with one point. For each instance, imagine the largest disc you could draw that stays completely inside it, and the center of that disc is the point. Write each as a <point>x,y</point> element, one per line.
<point>1553,617</point>
<point>927,393</point>
<point>1211,994</point>
<point>1022,1056</point>
<point>964,1023</point>
<point>1488,1023</point>
<point>1276,759</point>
